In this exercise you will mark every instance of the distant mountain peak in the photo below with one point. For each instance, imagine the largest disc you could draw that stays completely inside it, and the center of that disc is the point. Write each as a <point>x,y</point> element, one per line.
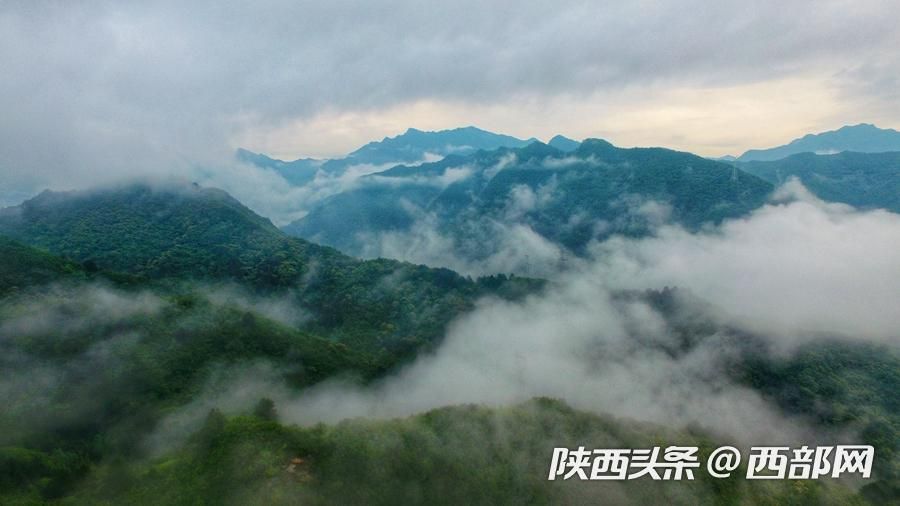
<point>411,147</point>
<point>593,146</point>
<point>537,149</point>
<point>862,137</point>
<point>564,143</point>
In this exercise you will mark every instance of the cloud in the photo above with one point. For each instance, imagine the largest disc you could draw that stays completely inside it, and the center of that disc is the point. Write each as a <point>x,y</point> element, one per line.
<point>75,351</point>
<point>449,176</point>
<point>283,308</point>
<point>482,247</point>
<point>89,325</point>
<point>795,266</point>
<point>476,242</point>
<point>269,194</point>
<point>522,199</point>
<point>60,310</point>
<point>101,90</point>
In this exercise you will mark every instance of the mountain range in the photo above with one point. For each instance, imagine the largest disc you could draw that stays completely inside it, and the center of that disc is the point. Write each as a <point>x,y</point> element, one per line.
<point>154,338</point>
<point>862,138</point>
<point>413,146</point>
<point>569,198</point>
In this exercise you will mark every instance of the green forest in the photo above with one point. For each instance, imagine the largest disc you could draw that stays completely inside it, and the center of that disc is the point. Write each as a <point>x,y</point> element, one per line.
<point>113,319</point>
<point>407,253</point>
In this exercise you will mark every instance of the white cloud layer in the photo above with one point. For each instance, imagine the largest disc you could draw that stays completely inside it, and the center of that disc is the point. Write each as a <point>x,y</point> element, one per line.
<point>801,265</point>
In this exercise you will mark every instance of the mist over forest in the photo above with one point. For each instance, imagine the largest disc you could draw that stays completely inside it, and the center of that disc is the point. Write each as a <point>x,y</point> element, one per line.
<point>261,255</point>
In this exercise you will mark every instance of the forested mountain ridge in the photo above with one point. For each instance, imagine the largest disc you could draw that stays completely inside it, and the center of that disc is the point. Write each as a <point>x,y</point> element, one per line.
<point>152,230</point>
<point>569,198</point>
<point>863,180</point>
<point>410,147</point>
<point>183,232</point>
<point>862,138</point>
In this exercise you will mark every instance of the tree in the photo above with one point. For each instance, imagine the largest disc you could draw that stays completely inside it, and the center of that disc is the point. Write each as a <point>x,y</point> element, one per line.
<point>265,409</point>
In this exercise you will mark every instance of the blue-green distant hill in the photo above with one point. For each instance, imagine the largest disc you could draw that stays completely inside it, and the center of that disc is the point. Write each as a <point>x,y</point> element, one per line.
<point>413,146</point>
<point>569,198</point>
<point>564,143</point>
<point>862,138</point>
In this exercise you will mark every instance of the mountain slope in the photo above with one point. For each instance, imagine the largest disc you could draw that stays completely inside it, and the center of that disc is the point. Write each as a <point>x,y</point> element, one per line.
<point>448,456</point>
<point>863,138</point>
<point>413,146</point>
<point>865,180</point>
<point>24,266</point>
<point>184,232</point>
<point>568,198</point>
<point>151,231</point>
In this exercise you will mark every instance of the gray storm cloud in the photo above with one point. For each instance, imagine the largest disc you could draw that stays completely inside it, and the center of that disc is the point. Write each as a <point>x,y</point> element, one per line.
<point>101,90</point>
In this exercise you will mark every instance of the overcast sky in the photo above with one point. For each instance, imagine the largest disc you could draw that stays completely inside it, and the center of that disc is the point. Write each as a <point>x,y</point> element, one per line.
<point>96,90</point>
